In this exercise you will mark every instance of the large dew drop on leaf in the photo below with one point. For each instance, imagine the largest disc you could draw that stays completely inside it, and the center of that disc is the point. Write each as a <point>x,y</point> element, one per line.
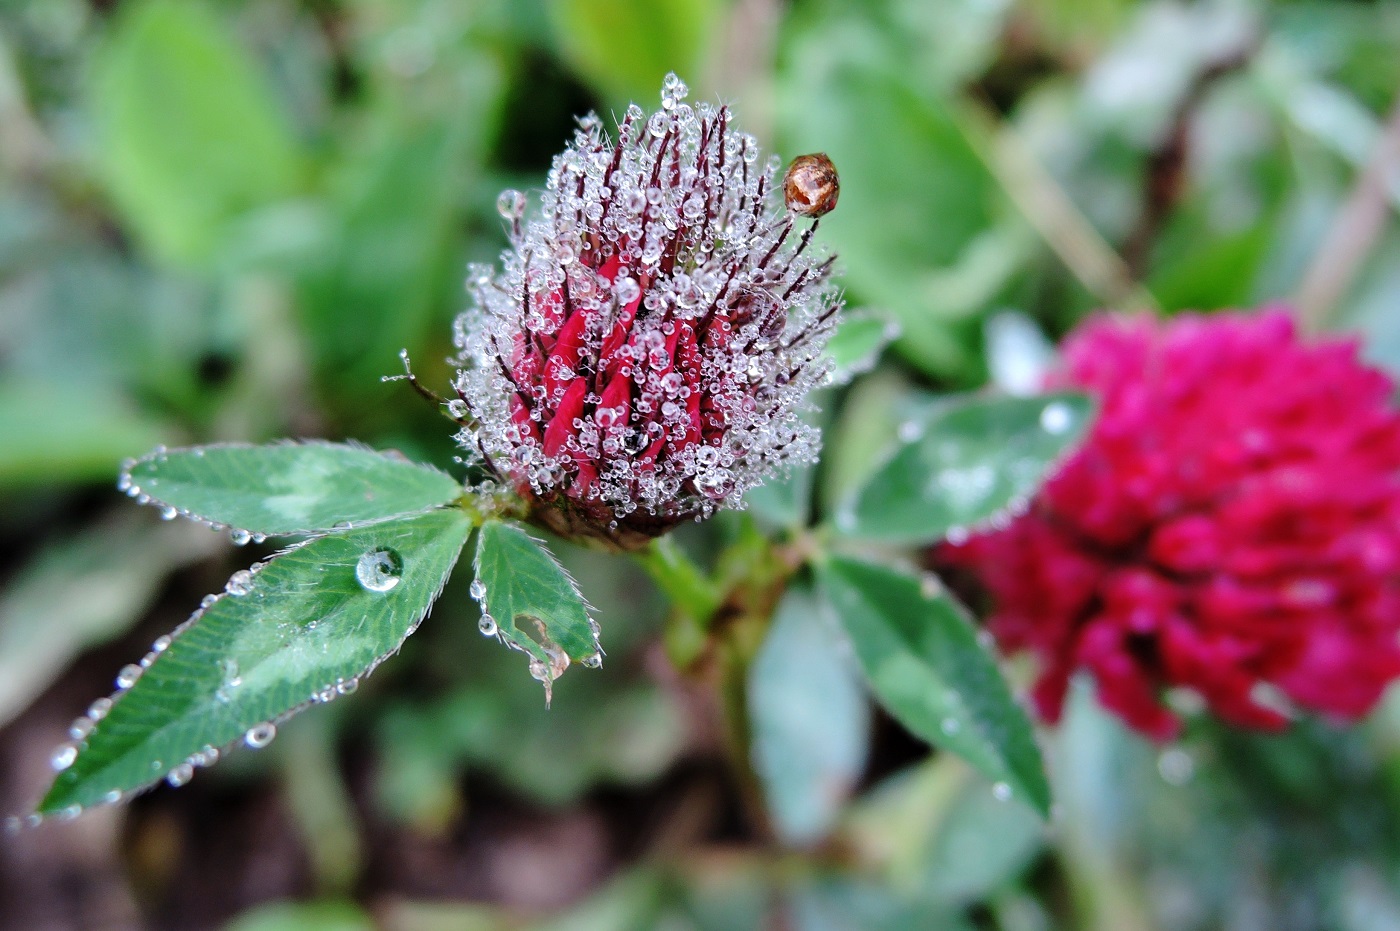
<point>301,629</point>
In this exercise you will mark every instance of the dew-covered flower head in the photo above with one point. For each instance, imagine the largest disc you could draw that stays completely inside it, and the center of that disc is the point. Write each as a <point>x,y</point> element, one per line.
<point>644,353</point>
<point>1231,527</point>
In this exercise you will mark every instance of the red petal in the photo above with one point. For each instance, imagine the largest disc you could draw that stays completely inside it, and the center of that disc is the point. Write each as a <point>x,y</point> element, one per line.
<point>561,426</point>
<point>617,394</point>
<point>565,356</point>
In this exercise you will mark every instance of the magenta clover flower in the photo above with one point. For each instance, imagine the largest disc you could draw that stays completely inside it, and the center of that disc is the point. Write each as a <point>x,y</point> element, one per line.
<point>645,352</point>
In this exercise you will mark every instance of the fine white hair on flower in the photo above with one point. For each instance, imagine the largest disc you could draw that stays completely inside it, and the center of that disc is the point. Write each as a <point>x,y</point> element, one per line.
<point>644,352</point>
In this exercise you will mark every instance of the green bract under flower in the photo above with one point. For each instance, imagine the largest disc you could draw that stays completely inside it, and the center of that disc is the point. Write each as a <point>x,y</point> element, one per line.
<point>644,353</point>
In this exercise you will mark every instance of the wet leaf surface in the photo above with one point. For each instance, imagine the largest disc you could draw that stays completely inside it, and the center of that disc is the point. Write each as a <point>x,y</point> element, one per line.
<point>530,601</point>
<point>302,629</point>
<point>962,465</point>
<point>287,488</point>
<point>925,666</point>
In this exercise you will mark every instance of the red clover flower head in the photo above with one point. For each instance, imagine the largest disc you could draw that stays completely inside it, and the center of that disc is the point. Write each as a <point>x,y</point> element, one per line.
<point>1231,526</point>
<point>644,354</point>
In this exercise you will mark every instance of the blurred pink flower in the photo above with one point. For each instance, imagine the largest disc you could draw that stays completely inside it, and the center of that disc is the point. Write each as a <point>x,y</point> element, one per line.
<point>1231,524</point>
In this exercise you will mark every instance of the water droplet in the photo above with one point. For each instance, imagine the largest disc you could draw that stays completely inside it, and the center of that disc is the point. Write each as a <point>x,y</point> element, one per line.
<point>260,735</point>
<point>511,204</point>
<point>1056,417</point>
<point>931,586</point>
<point>112,797</point>
<point>240,583</point>
<point>1001,792</point>
<point>487,625</point>
<point>379,570</point>
<point>716,484</point>
<point>346,686</point>
<point>593,662</point>
<point>232,679</point>
<point>626,290</point>
<point>457,409</point>
<point>208,601</point>
<point>673,91</point>
<point>161,645</point>
<point>477,590</point>
<point>910,430</point>
<point>168,513</point>
<point>956,536</point>
<point>64,756</point>
<point>80,728</point>
<point>1176,766</point>
<point>69,813</point>
<point>180,775</point>
<point>128,675</point>
<point>239,537</point>
<point>950,726</point>
<point>98,709</point>
<point>773,326</point>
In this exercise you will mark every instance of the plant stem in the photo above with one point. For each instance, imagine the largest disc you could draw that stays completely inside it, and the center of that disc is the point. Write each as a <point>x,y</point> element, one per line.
<point>1166,174</point>
<point>321,805</point>
<point>736,654</point>
<point>694,598</point>
<point>681,580</point>
<point>716,627</point>
<point>1054,215</point>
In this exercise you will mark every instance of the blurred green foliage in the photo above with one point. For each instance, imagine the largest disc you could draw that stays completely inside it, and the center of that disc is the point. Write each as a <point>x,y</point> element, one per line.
<point>188,134</point>
<point>221,220</point>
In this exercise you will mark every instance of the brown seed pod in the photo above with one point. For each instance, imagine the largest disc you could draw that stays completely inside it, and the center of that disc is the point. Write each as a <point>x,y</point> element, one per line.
<point>811,185</point>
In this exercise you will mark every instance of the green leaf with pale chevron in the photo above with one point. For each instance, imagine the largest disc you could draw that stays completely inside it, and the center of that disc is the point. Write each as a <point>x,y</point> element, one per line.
<point>921,657</point>
<point>963,463</point>
<point>532,602</point>
<point>287,488</point>
<point>303,628</point>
